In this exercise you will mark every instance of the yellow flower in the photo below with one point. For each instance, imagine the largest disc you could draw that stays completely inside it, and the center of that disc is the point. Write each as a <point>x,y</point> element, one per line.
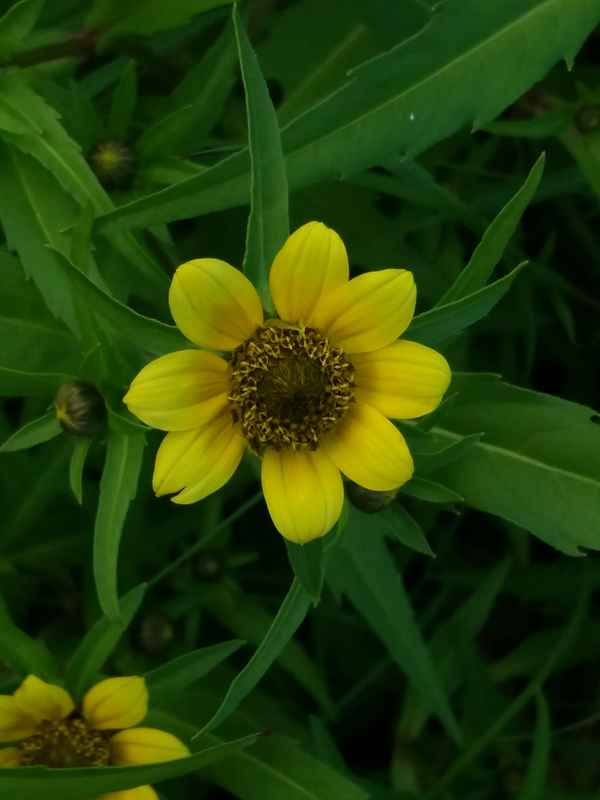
<point>48,730</point>
<point>310,392</point>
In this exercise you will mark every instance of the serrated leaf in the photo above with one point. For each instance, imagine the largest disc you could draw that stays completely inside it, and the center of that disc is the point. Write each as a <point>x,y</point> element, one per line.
<point>16,24</point>
<point>117,488</point>
<point>489,251</point>
<point>440,323</point>
<point>41,783</point>
<point>405,100</point>
<point>538,464</point>
<point>291,614</point>
<point>268,223</point>
<point>181,672</point>
<point>76,464</point>
<point>24,654</point>
<point>35,432</point>
<point>99,642</point>
<point>364,571</point>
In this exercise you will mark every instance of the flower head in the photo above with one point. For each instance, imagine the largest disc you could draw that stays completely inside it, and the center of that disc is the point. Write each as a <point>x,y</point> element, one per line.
<point>310,392</point>
<point>47,729</point>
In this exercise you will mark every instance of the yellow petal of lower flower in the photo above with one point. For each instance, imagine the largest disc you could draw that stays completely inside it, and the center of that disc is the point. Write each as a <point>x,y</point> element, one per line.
<point>116,703</point>
<point>369,450</point>
<point>311,263</point>
<point>42,700</point>
<point>15,724</point>
<point>368,312</point>
<point>213,304</point>
<point>145,746</point>
<point>179,391</point>
<point>303,491</point>
<point>404,380</point>
<point>10,757</point>
<point>139,793</point>
<point>200,461</point>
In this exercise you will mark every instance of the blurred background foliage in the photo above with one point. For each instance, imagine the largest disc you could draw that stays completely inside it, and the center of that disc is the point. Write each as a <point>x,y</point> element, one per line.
<point>452,646</point>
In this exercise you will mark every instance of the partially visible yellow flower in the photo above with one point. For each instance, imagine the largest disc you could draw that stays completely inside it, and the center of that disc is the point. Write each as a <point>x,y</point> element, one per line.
<point>48,730</point>
<point>309,392</point>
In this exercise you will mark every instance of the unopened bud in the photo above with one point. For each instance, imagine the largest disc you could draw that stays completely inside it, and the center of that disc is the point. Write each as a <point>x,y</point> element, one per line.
<point>80,408</point>
<point>587,118</point>
<point>368,501</point>
<point>209,566</point>
<point>156,632</point>
<point>113,162</point>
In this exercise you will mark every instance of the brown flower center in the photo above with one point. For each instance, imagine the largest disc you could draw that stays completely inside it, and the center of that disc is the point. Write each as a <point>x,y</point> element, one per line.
<point>65,743</point>
<point>289,386</point>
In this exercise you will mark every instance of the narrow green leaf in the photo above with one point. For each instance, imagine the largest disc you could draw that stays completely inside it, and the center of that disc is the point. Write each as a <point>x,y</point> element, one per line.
<point>16,25</point>
<point>181,672</point>
<point>80,450</point>
<point>427,462</point>
<point>291,614</point>
<point>99,642</point>
<point>268,223</point>
<point>403,101</point>
<point>16,383</point>
<point>123,103</point>
<point>364,570</point>
<point>398,525</point>
<point>41,783</point>
<point>489,251</point>
<point>38,431</point>
<point>430,491</point>
<point>117,489</point>
<point>307,561</point>
<point>534,786</point>
<point>126,18</point>
<point>24,654</point>
<point>440,323</point>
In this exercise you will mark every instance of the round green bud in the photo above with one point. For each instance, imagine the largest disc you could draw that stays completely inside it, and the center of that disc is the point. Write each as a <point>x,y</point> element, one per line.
<point>368,501</point>
<point>113,162</point>
<point>80,408</point>
<point>155,632</point>
<point>209,566</point>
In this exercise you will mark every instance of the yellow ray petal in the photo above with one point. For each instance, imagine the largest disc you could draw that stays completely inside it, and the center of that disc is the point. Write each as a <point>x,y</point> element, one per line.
<point>311,263</point>
<point>303,491</point>
<point>15,724</point>
<point>368,312</point>
<point>139,793</point>
<point>10,757</point>
<point>200,461</point>
<point>369,450</point>
<point>42,700</point>
<point>179,391</point>
<point>213,304</point>
<point>116,703</point>
<point>404,380</point>
<point>145,746</point>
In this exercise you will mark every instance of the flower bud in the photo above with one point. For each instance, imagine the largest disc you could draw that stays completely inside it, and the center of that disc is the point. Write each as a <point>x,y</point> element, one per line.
<point>155,632</point>
<point>209,566</point>
<point>80,408</point>
<point>587,118</point>
<point>368,501</point>
<point>113,162</point>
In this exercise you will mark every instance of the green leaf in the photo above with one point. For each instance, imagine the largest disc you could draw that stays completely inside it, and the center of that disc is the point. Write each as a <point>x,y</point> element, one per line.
<point>410,97</point>
<point>16,383</point>
<point>430,491</point>
<point>440,323</point>
<point>123,103</point>
<point>291,614</point>
<point>307,561</point>
<point>35,432</point>
<point>99,642</point>
<point>398,525</point>
<point>24,654</point>
<point>77,463</point>
<point>537,466</point>
<point>181,672</point>
<point>489,251</point>
<point>534,786</point>
<point>364,571</point>
<point>117,489</point>
<point>432,460</point>
<point>268,223</point>
<point>41,783</point>
<point>16,25</point>
<point>126,18</point>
